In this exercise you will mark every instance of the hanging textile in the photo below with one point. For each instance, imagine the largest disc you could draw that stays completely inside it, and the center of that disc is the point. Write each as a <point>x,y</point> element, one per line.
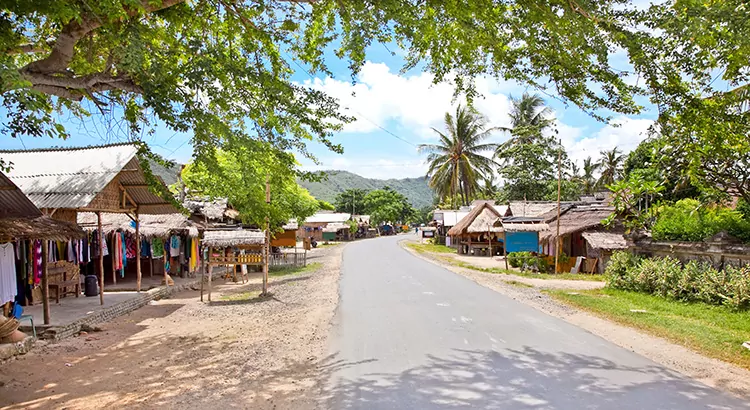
<point>70,253</point>
<point>193,254</point>
<point>123,253</point>
<point>117,250</point>
<point>157,248</point>
<point>145,248</point>
<point>130,250</point>
<point>8,284</point>
<point>86,250</point>
<point>174,246</point>
<point>21,272</point>
<point>37,259</point>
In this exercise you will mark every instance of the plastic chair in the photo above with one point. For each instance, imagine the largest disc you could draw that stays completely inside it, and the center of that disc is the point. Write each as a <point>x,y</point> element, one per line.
<point>30,318</point>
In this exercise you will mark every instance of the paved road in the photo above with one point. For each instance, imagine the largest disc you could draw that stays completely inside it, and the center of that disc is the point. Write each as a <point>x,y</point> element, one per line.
<point>411,335</point>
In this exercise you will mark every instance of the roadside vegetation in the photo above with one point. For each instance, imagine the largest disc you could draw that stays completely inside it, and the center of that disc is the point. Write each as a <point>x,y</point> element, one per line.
<point>715,331</point>
<point>444,254</point>
<point>288,270</point>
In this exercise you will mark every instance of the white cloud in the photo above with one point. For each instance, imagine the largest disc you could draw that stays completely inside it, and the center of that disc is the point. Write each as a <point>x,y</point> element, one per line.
<point>410,105</point>
<point>414,102</point>
<point>624,133</point>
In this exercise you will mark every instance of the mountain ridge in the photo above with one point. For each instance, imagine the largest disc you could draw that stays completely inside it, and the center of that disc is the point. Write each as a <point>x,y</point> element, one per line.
<point>415,190</point>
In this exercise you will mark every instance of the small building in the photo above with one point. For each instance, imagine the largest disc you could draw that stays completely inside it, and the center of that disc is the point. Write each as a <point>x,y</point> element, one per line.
<point>313,226</point>
<point>578,221</point>
<point>522,233</point>
<point>480,232</point>
<point>287,238</point>
<point>336,232</point>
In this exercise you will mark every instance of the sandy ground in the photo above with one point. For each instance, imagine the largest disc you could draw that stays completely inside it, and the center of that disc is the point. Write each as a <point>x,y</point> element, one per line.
<point>238,352</point>
<point>712,372</point>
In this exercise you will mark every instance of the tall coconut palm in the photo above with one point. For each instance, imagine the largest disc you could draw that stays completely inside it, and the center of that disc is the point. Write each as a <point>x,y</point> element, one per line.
<point>589,181</point>
<point>527,113</point>
<point>611,166</point>
<point>456,163</point>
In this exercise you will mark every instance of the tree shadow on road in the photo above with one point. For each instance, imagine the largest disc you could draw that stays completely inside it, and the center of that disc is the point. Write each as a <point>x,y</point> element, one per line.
<point>525,378</point>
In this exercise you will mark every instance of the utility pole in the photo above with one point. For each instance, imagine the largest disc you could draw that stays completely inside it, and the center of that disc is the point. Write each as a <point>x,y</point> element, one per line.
<point>559,185</point>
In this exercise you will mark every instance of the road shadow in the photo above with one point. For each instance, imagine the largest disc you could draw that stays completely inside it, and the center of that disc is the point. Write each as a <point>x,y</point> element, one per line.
<point>523,379</point>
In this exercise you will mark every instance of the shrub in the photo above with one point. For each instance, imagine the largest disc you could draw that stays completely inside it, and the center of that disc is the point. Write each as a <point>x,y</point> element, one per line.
<point>666,277</point>
<point>618,269</point>
<point>516,259</point>
<point>689,220</point>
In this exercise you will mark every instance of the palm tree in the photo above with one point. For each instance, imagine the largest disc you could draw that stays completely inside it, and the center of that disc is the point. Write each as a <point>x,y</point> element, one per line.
<point>611,165</point>
<point>527,112</point>
<point>456,165</point>
<point>589,181</point>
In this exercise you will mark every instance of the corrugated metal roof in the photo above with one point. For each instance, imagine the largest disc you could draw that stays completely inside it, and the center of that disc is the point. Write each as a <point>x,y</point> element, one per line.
<point>72,177</point>
<point>605,240</point>
<point>13,203</point>
<point>66,178</point>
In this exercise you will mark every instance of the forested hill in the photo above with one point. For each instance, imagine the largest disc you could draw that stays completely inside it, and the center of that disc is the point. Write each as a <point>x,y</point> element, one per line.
<point>414,189</point>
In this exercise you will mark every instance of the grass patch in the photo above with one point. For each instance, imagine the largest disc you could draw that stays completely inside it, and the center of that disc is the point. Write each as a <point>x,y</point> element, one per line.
<point>328,244</point>
<point>564,276</point>
<point>430,247</point>
<point>518,284</point>
<point>235,297</point>
<point>714,331</point>
<point>294,270</point>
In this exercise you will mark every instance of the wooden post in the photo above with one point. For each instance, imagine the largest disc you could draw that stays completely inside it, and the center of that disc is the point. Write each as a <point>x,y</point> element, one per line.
<point>267,239</point>
<point>210,273</point>
<point>489,240</point>
<point>505,248</point>
<point>45,283</point>
<point>101,257</point>
<point>559,182</point>
<point>137,252</point>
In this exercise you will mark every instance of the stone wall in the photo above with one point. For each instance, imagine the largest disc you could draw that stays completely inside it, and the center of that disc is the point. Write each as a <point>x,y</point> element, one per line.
<point>720,251</point>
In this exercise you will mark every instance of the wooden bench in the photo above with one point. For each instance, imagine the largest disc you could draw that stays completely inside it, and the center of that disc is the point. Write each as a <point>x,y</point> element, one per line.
<point>64,279</point>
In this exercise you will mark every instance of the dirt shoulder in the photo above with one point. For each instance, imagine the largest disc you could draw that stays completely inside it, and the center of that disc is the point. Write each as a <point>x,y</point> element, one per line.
<point>240,351</point>
<point>712,372</point>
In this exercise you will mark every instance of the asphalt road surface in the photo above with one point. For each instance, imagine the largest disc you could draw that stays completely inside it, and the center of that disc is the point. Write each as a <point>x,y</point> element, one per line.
<point>411,335</point>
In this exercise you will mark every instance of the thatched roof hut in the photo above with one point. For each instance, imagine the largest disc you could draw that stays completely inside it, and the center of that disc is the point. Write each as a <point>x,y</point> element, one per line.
<point>577,219</point>
<point>482,219</point>
<point>608,241</point>
<point>236,237</point>
<point>21,219</point>
<point>159,226</point>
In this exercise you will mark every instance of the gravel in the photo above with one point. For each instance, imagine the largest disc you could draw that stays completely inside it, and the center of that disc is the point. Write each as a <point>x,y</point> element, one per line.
<point>240,351</point>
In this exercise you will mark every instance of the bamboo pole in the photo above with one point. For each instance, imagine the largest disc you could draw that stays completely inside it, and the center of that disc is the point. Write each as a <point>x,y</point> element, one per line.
<point>559,185</point>
<point>137,252</point>
<point>101,257</point>
<point>45,283</point>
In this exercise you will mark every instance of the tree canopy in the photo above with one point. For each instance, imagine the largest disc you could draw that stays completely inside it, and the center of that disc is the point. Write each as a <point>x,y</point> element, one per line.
<point>388,206</point>
<point>240,175</point>
<point>351,201</point>
<point>222,68</point>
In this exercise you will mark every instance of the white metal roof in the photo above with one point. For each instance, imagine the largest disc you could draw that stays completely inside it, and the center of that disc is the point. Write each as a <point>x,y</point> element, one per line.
<point>73,177</point>
<point>325,217</point>
<point>66,178</point>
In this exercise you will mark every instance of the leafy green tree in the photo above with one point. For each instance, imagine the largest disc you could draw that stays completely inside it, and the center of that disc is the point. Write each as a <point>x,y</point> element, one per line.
<point>456,163</point>
<point>649,161</point>
<point>610,163</point>
<point>351,201</point>
<point>388,206</point>
<point>239,175</point>
<point>325,206</point>
<point>632,199</point>
<point>221,69</point>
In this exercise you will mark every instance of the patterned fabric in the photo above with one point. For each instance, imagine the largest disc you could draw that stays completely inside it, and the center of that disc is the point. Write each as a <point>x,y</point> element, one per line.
<point>157,248</point>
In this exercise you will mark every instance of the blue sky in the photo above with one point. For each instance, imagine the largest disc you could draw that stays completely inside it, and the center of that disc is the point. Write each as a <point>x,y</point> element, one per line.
<point>406,105</point>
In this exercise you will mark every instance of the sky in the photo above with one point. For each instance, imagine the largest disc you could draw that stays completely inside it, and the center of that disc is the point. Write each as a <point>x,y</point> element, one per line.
<point>394,113</point>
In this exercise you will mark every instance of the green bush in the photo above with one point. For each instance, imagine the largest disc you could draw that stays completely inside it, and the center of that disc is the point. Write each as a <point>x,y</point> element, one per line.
<point>689,220</point>
<point>516,259</point>
<point>666,277</point>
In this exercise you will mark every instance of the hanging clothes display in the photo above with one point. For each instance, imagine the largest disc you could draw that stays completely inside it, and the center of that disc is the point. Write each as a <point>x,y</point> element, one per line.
<point>145,248</point>
<point>174,246</point>
<point>193,254</point>
<point>123,252</point>
<point>8,284</point>
<point>157,248</point>
<point>37,263</point>
<point>130,250</point>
